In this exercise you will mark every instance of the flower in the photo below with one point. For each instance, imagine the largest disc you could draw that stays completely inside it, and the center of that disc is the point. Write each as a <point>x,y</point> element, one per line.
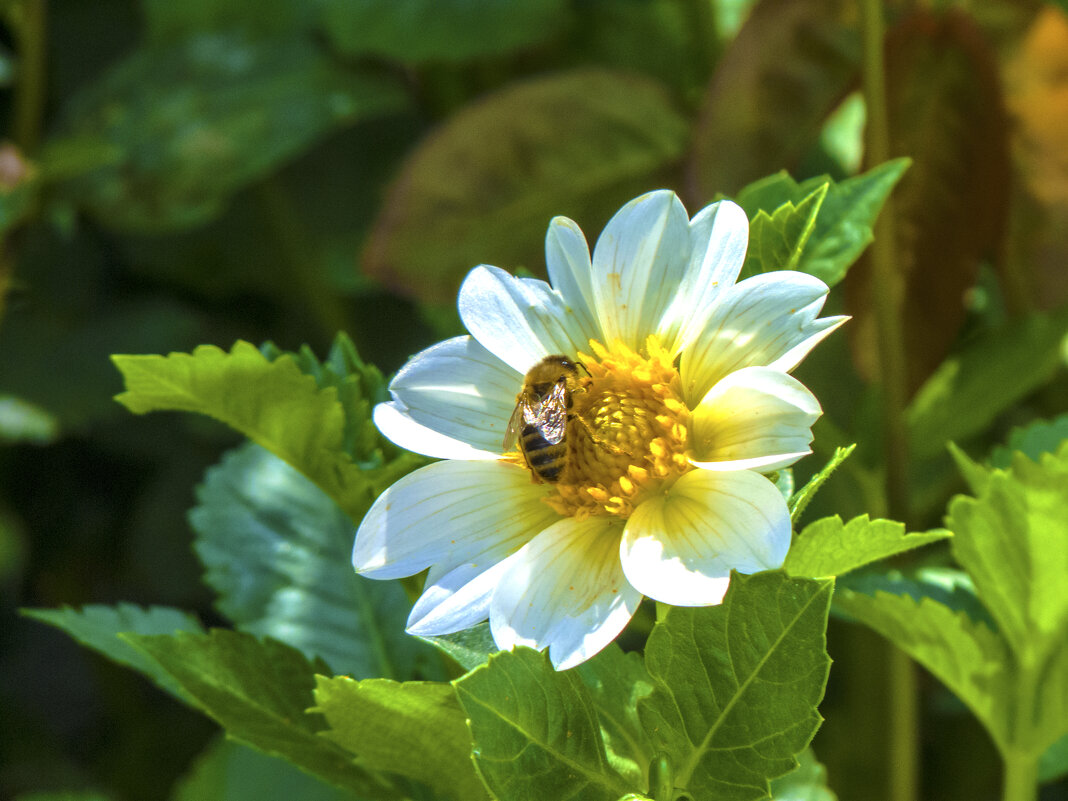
<point>684,403</point>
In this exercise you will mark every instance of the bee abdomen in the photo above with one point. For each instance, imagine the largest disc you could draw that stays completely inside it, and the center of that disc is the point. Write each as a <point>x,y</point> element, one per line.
<point>546,459</point>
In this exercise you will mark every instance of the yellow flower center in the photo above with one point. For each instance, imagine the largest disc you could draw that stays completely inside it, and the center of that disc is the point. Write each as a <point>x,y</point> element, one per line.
<point>627,436</point>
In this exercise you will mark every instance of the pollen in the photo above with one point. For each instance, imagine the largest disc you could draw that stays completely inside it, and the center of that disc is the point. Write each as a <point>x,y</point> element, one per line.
<point>627,434</point>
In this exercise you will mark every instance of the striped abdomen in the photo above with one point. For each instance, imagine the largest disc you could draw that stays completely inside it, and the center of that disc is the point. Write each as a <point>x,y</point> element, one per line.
<point>545,459</point>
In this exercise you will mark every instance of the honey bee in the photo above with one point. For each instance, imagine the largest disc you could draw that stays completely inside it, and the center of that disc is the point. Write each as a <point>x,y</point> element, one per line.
<point>541,415</point>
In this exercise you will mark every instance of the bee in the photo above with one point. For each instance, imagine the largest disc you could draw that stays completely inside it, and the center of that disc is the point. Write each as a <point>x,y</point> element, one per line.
<point>541,415</point>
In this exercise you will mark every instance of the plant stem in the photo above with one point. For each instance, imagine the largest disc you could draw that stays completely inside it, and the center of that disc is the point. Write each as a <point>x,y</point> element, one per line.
<point>887,297</point>
<point>1021,778</point>
<point>30,94</point>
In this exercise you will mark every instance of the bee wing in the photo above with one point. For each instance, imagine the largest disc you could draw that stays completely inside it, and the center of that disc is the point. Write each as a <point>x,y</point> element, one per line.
<point>550,416</point>
<point>514,424</point>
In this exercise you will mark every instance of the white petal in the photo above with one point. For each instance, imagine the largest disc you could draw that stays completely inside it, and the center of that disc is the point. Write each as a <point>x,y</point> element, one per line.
<point>638,262</point>
<point>456,598</point>
<point>451,401</point>
<point>565,590</point>
<point>680,547</point>
<point>756,418</point>
<point>567,257</point>
<point>719,234</point>
<point>767,320</point>
<point>449,512</point>
<point>519,320</point>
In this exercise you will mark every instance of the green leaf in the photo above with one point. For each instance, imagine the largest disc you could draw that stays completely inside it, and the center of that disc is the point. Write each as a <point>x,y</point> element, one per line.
<point>494,174</point>
<point>966,656</point>
<point>69,795</point>
<point>789,66</point>
<point>1013,541</point>
<point>829,547</point>
<point>951,587</point>
<point>226,771</point>
<point>272,403</point>
<point>415,729</point>
<point>736,685</point>
<point>278,552</point>
<point>469,648</point>
<point>807,783</point>
<point>1054,762</point>
<point>359,386</point>
<point>996,370</point>
<point>448,30</point>
<point>844,224</point>
<point>259,691</point>
<point>1032,440</point>
<point>22,421</point>
<point>200,118</point>
<point>535,731</point>
<point>616,682</point>
<point>800,499</point>
<point>167,21</point>
<point>98,627</point>
<point>777,239</point>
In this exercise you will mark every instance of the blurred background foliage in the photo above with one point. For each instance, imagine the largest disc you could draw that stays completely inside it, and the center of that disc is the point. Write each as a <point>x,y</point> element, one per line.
<point>177,173</point>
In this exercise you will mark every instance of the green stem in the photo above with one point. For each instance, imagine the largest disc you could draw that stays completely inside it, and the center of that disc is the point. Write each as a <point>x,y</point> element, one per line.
<point>30,92</point>
<point>1021,777</point>
<point>887,297</point>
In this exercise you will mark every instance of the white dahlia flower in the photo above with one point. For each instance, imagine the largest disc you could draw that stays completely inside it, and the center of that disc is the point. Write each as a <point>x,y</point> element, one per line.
<point>678,402</point>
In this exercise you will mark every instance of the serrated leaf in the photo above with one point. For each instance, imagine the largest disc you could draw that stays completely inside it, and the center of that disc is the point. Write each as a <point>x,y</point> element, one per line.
<point>448,30</point>
<point>272,403</point>
<point>491,178</point>
<point>1032,441</point>
<point>787,69</point>
<point>201,117</point>
<point>259,691</point>
<point>469,648</point>
<point>951,587</point>
<point>829,547</point>
<point>966,656</point>
<point>800,499</point>
<point>617,681</point>
<point>98,627</point>
<point>535,731</point>
<point>776,240</point>
<point>807,783</point>
<point>974,474</point>
<point>226,771</point>
<point>993,372</point>
<point>736,685</point>
<point>359,386</point>
<point>1013,541</point>
<point>415,729</point>
<point>950,208</point>
<point>844,224</point>
<point>278,552</point>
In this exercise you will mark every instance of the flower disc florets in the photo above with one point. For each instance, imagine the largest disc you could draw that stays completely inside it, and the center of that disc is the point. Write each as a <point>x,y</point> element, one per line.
<point>629,432</point>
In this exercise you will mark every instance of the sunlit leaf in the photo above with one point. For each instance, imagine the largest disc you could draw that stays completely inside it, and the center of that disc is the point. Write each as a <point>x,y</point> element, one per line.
<point>992,373</point>
<point>273,403</point>
<point>776,240</point>
<point>415,729</point>
<point>949,586</point>
<point>226,771</point>
<point>829,547</point>
<point>535,731</point>
<point>801,498</point>
<point>493,175</point>
<point>790,65</point>
<point>950,207</point>
<point>98,627</point>
<point>469,648</point>
<point>736,685</point>
<point>199,119</point>
<point>259,691</point>
<point>616,682</point>
<point>416,31</point>
<point>278,552</point>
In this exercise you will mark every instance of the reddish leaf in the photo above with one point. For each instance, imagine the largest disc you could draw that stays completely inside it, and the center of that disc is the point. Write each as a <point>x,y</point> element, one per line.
<point>792,62</point>
<point>483,187</point>
<point>946,113</point>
